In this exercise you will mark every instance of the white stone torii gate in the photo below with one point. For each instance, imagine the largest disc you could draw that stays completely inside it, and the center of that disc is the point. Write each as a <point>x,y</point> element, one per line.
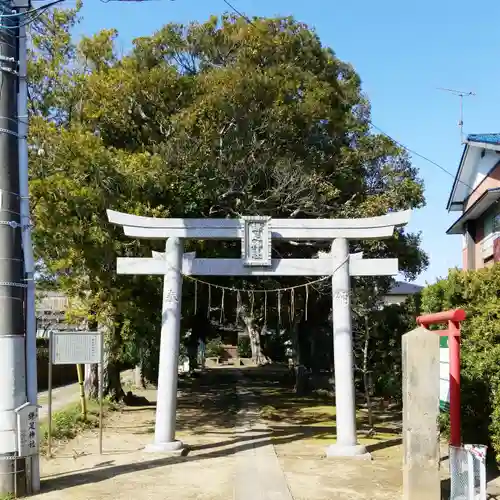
<point>256,234</point>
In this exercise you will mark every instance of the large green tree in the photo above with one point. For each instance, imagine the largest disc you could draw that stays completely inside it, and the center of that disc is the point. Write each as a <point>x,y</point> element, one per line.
<point>217,119</point>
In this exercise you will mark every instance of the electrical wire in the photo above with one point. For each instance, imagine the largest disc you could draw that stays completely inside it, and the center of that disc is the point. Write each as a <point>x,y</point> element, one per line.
<point>28,16</point>
<point>238,12</point>
<point>400,144</point>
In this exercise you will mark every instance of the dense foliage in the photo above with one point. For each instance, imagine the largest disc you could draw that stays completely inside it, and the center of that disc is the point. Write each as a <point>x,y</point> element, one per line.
<point>477,293</point>
<point>218,119</point>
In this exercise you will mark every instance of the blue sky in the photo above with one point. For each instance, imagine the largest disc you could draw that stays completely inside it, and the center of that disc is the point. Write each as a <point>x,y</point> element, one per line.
<point>403,51</point>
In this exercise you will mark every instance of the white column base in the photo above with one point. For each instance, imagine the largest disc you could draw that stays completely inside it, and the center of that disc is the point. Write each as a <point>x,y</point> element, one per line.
<point>353,451</point>
<point>176,447</point>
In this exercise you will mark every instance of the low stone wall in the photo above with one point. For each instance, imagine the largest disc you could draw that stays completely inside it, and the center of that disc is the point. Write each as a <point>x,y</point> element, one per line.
<point>61,374</point>
<point>231,352</point>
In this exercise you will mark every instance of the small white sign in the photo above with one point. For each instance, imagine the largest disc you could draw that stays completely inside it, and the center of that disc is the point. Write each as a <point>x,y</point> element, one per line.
<point>72,348</point>
<point>444,374</point>
<point>27,430</point>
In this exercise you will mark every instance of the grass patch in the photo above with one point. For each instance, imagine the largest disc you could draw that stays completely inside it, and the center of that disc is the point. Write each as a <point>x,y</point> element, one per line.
<point>315,421</point>
<point>69,422</point>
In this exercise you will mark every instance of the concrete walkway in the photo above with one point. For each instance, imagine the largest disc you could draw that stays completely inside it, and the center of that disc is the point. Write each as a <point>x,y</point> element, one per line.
<point>65,395</point>
<point>231,455</point>
<point>61,397</point>
<point>258,461</point>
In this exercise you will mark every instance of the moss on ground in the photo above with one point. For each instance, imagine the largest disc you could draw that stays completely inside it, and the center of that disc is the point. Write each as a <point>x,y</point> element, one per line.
<point>314,420</point>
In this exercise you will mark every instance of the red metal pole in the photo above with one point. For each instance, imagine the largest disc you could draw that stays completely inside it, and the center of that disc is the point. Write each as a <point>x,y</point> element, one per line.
<point>441,317</point>
<point>454,346</point>
<point>453,318</point>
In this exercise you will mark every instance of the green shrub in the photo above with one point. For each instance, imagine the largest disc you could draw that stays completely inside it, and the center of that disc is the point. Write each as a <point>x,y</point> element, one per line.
<point>42,342</point>
<point>244,347</point>
<point>477,293</point>
<point>69,422</point>
<point>42,353</point>
<point>215,348</point>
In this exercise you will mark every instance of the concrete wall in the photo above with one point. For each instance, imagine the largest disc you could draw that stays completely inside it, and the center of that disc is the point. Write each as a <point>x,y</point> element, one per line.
<point>480,260</point>
<point>61,374</point>
<point>478,239</point>
<point>421,480</point>
<point>486,182</point>
<point>486,175</point>
<point>394,299</point>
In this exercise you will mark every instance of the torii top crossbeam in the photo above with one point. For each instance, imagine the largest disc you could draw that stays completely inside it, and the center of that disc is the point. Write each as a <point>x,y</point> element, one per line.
<point>233,229</point>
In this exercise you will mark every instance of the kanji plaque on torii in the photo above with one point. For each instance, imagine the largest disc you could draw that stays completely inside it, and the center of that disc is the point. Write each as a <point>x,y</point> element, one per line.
<point>256,234</point>
<point>256,241</point>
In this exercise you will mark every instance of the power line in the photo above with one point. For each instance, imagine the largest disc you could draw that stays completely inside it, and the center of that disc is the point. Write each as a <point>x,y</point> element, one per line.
<point>238,12</point>
<point>400,144</point>
<point>26,17</point>
<point>416,153</point>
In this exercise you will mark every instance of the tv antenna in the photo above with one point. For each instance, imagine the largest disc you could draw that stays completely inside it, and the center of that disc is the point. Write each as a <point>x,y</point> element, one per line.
<point>460,94</point>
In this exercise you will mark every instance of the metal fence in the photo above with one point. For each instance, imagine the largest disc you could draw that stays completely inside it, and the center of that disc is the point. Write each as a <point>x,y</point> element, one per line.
<point>468,472</point>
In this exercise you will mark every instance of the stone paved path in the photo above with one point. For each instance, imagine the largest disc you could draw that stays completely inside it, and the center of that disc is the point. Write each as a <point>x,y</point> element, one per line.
<point>231,457</point>
<point>259,461</point>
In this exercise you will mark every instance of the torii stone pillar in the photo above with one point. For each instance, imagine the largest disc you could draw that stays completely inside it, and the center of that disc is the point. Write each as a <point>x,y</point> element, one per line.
<point>255,234</point>
<point>345,396</point>
<point>166,404</point>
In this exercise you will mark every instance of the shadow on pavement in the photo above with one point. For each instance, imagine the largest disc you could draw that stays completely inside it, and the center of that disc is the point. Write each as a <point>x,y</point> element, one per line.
<point>212,401</point>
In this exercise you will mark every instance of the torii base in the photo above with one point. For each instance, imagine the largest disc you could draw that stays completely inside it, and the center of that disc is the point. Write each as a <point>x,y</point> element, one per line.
<point>357,451</point>
<point>173,447</point>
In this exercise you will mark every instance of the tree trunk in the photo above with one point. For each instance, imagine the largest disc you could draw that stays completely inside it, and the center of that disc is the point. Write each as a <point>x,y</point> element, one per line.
<point>254,335</point>
<point>301,380</point>
<point>92,381</point>
<point>314,360</point>
<point>192,353</point>
<point>112,385</point>
<point>301,377</point>
<point>139,380</point>
<point>257,356</point>
<point>113,388</point>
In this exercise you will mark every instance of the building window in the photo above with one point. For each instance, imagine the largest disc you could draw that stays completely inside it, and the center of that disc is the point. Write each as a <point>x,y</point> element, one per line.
<point>492,222</point>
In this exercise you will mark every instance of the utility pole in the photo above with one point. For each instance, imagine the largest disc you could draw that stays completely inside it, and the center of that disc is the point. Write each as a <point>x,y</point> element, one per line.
<point>12,284</point>
<point>29,263</point>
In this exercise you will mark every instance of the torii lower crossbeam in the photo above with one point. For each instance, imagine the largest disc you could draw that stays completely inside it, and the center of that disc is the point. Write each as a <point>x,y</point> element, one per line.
<point>279,267</point>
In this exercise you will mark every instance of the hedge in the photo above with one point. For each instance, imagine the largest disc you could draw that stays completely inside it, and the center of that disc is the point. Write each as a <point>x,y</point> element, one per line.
<point>478,292</point>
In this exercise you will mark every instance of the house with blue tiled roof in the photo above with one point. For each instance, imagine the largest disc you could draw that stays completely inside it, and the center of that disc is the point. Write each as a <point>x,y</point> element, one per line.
<point>474,196</point>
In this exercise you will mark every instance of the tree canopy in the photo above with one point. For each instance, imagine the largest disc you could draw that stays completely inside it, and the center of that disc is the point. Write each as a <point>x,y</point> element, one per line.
<point>215,119</point>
